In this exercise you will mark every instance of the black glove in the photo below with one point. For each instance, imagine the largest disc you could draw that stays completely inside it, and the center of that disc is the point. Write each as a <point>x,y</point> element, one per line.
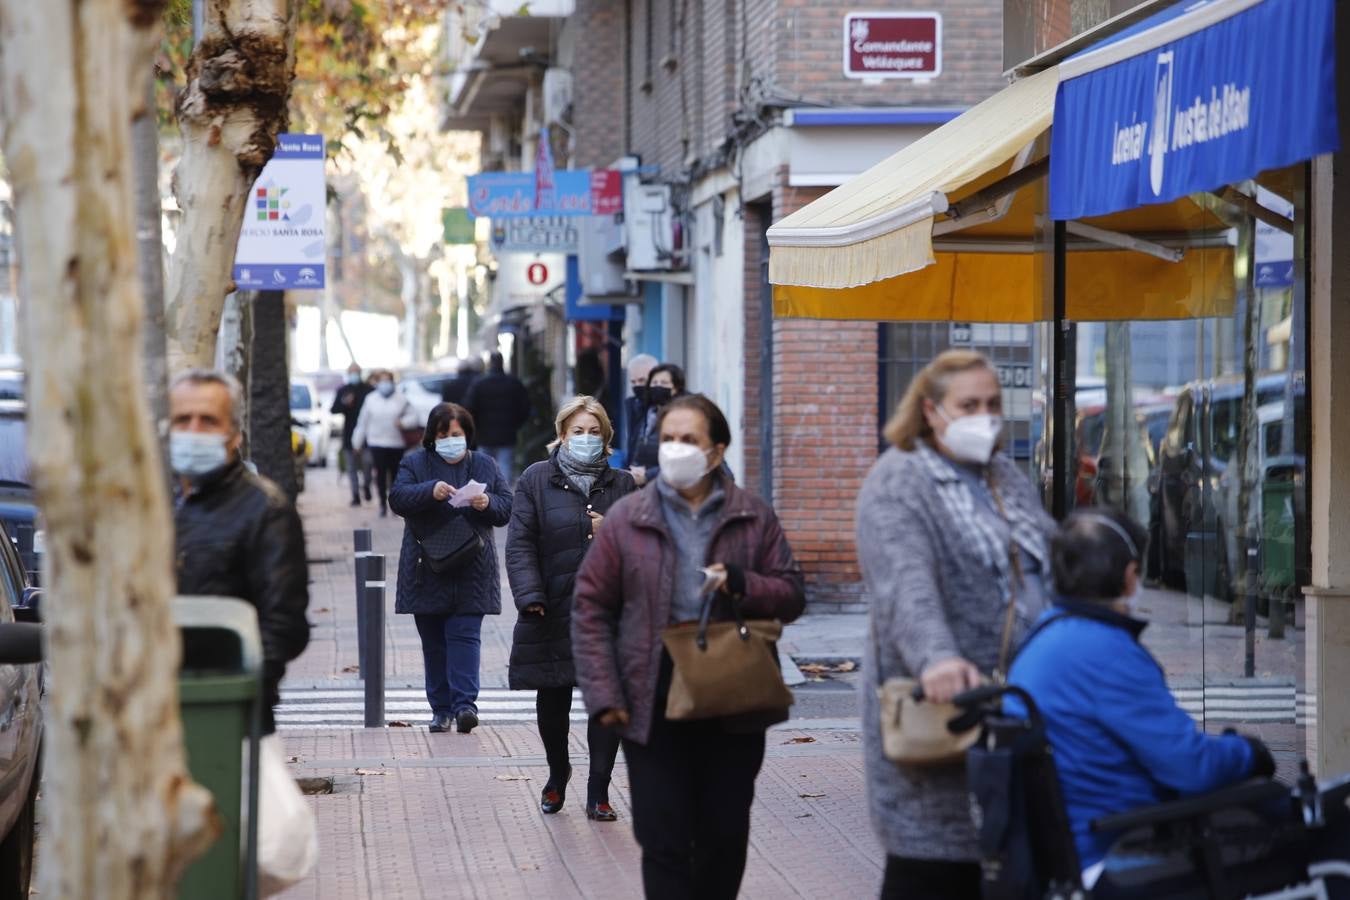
<point>735,580</point>
<point>1263,764</point>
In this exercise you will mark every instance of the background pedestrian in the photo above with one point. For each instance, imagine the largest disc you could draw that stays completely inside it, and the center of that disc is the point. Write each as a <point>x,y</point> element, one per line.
<point>949,532</point>
<point>692,782</point>
<point>385,415</point>
<point>635,405</point>
<point>500,405</point>
<point>347,402</point>
<point>448,607</point>
<point>559,507</point>
<point>664,383</point>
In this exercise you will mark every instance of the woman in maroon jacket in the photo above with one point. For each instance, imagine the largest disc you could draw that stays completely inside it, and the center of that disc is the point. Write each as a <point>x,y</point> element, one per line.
<point>692,782</point>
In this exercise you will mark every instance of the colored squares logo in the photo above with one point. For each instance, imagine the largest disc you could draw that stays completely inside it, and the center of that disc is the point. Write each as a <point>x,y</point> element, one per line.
<point>270,205</point>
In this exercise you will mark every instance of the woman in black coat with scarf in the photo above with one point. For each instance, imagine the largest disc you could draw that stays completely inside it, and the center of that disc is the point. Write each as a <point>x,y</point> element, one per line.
<point>559,505</point>
<point>449,605</point>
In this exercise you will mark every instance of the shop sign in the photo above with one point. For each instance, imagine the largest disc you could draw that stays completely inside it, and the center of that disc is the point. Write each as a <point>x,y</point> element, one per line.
<point>525,279</point>
<point>281,243</point>
<point>892,45</point>
<point>1251,92</point>
<point>569,192</point>
<point>535,234</point>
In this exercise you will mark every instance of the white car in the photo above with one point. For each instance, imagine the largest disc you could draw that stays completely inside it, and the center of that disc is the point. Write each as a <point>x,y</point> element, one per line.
<point>313,418</point>
<point>424,392</point>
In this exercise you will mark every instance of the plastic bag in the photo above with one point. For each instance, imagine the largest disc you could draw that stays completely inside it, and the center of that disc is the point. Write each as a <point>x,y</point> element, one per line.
<point>288,835</point>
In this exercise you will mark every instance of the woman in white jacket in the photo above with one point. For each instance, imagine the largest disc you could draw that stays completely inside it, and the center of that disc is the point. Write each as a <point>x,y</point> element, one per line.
<point>380,426</point>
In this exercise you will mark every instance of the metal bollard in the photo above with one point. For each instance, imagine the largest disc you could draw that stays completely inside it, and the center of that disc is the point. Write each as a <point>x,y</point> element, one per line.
<point>373,663</point>
<point>361,542</point>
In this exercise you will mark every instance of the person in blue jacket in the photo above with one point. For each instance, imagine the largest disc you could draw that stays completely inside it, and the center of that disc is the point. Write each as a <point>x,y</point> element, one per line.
<point>1120,740</point>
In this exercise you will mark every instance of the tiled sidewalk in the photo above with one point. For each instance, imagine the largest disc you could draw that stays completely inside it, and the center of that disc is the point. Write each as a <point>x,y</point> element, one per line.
<point>417,815</point>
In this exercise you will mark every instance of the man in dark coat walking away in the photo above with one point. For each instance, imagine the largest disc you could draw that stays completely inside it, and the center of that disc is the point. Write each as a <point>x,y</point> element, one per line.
<point>559,506</point>
<point>457,389</point>
<point>635,405</point>
<point>237,533</point>
<point>500,404</point>
<point>347,403</point>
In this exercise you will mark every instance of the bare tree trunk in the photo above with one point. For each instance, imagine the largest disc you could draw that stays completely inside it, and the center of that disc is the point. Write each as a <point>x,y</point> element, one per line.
<point>150,242</point>
<point>270,395</point>
<point>234,105</point>
<point>123,816</point>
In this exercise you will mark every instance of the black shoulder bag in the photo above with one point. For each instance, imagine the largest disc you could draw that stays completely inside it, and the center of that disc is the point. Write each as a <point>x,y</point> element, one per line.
<point>449,546</point>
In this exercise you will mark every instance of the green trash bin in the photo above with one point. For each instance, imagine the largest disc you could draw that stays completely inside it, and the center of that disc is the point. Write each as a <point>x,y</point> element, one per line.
<point>220,697</point>
<point>1278,523</point>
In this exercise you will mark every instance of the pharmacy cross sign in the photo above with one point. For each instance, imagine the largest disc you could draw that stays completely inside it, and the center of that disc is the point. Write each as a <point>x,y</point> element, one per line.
<point>892,45</point>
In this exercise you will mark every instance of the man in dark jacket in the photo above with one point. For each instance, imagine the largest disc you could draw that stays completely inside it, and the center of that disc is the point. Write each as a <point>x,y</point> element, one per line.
<point>347,403</point>
<point>499,404</point>
<point>635,405</point>
<point>237,533</point>
<point>457,389</point>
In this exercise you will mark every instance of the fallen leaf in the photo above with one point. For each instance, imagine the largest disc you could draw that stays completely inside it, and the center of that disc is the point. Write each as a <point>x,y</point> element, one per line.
<point>814,668</point>
<point>292,759</point>
<point>810,796</point>
<point>398,724</point>
<point>804,816</point>
<point>847,665</point>
<point>351,668</point>
<point>372,771</point>
<point>323,609</point>
<point>800,740</point>
<point>512,777</point>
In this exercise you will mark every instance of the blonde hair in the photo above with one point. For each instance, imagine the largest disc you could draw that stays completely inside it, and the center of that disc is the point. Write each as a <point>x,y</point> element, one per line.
<point>579,405</point>
<point>909,424</point>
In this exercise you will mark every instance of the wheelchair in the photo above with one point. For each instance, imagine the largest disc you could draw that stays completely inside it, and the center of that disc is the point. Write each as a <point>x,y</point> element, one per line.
<point>1259,839</point>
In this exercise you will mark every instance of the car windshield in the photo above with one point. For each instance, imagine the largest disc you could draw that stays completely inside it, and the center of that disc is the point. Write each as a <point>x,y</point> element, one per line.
<point>13,450</point>
<point>300,398</point>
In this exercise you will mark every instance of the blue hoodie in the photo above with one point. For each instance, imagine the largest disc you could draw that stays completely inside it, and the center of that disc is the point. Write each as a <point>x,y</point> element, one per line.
<point>1121,742</point>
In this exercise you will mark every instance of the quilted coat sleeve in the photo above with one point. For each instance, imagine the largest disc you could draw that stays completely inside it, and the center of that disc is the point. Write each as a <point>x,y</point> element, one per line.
<point>410,495</point>
<point>498,512</point>
<point>596,607</point>
<point>522,547</point>
<point>775,588</point>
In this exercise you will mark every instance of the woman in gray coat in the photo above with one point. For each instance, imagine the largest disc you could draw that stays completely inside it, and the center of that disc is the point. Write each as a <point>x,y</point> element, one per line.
<point>949,533</point>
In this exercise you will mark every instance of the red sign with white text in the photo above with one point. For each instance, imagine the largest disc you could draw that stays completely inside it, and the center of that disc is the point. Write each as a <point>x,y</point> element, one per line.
<point>893,45</point>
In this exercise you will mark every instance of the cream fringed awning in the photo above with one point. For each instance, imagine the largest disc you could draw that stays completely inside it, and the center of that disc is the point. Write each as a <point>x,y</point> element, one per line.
<point>880,224</point>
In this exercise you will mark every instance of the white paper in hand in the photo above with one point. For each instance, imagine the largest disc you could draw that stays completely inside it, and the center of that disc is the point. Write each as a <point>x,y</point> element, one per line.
<point>464,496</point>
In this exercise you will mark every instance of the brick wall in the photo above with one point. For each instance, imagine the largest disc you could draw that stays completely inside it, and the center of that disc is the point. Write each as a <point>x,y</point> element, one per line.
<point>597,83</point>
<point>757,216</point>
<point>825,436</point>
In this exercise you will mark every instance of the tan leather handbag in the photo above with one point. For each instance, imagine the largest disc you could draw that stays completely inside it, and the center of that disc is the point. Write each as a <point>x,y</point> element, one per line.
<point>915,732</point>
<point>724,668</point>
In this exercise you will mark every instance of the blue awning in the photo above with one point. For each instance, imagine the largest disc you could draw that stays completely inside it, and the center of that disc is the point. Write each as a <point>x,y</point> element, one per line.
<point>1206,93</point>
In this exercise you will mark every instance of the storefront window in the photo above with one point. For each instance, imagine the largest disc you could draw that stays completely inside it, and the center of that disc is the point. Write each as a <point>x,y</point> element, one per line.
<point>1199,428</point>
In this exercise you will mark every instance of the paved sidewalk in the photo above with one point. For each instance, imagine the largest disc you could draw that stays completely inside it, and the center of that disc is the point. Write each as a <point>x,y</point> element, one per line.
<point>417,815</point>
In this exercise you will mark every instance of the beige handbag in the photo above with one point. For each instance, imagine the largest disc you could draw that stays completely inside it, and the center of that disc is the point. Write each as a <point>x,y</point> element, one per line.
<point>724,668</point>
<point>915,732</point>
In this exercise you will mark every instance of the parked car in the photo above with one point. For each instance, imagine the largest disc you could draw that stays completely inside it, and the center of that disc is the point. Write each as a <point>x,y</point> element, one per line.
<point>312,417</point>
<point>424,391</point>
<point>18,511</point>
<point>1201,440</point>
<point>21,687</point>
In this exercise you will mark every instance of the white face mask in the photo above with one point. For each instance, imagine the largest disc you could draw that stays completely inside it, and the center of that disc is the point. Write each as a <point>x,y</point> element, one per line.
<point>972,438</point>
<point>682,465</point>
<point>193,454</point>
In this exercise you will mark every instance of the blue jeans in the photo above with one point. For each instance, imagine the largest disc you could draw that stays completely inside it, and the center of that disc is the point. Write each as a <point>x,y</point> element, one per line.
<point>451,648</point>
<point>506,460</point>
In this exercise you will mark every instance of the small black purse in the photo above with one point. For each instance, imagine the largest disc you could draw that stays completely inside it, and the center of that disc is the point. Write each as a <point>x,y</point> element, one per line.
<point>450,546</point>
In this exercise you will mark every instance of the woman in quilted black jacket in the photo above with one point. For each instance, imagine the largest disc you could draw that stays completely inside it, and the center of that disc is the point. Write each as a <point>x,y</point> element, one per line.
<point>559,505</point>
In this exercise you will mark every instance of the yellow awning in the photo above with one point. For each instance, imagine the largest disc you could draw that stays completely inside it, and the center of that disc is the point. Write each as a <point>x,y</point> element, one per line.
<point>866,250</point>
<point>880,224</point>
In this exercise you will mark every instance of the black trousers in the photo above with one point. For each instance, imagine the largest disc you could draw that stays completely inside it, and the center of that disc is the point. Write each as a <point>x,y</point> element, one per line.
<point>385,461</point>
<point>552,709</point>
<point>930,879</point>
<point>692,786</point>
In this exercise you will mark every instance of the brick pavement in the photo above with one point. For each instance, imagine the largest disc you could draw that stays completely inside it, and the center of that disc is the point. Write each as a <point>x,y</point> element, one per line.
<point>417,815</point>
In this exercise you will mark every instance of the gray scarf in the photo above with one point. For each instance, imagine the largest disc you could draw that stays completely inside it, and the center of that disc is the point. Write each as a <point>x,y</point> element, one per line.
<point>583,475</point>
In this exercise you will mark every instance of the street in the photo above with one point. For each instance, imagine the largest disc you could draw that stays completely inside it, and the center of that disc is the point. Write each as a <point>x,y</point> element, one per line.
<point>414,814</point>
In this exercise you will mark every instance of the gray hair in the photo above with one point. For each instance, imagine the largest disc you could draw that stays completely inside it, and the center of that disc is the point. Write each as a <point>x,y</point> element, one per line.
<point>642,359</point>
<point>225,380</point>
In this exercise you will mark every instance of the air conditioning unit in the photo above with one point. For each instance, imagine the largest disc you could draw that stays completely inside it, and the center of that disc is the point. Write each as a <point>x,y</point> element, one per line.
<point>557,95</point>
<point>652,229</point>
<point>600,259</point>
